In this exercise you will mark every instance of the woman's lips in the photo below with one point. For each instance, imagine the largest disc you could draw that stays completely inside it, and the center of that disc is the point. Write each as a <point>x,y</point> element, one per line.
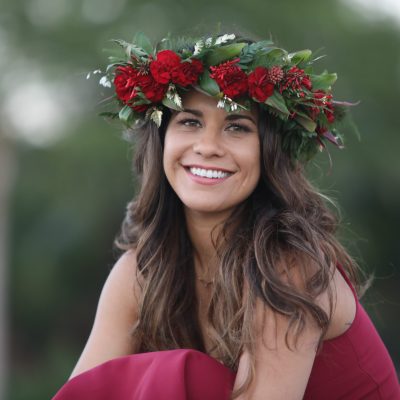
<point>207,175</point>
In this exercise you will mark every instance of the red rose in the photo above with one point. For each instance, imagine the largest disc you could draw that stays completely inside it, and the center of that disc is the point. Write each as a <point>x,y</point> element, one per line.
<point>296,80</point>
<point>187,73</point>
<point>230,78</point>
<point>260,88</point>
<point>163,66</point>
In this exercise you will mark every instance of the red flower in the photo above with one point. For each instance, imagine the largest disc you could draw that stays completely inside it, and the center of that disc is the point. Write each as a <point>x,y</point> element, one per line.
<point>260,88</point>
<point>187,73</point>
<point>320,130</point>
<point>330,116</point>
<point>129,82</point>
<point>296,80</point>
<point>163,66</point>
<point>125,83</point>
<point>323,101</point>
<point>151,89</point>
<point>230,78</point>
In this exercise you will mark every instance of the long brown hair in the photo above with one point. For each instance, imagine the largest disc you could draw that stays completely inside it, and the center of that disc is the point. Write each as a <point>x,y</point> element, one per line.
<point>284,219</point>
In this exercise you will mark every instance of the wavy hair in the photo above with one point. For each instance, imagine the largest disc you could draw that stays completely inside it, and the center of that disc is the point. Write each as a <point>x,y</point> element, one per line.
<point>284,222</point>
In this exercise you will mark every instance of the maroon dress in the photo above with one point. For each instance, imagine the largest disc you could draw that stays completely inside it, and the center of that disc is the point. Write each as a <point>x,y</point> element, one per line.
<point>352,366</point>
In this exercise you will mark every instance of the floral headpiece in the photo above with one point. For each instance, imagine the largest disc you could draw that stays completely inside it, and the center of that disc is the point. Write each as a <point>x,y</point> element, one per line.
<point>147,79</point>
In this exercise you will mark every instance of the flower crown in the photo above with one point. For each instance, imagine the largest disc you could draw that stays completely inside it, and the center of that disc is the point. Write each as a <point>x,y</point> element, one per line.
<point>147,79</point>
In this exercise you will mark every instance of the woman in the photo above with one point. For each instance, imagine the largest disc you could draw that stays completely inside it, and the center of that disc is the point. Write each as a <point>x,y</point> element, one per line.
<point>230,253</point>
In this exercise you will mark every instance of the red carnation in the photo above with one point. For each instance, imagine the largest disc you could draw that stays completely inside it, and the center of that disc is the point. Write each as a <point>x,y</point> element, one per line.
<point>296,80</point>
<point>151,89</point>
<point>230,78</point>
<point>163,66</point>
<point>260,88</point>
<point>187,73</point>
<point>125,83</point>
<point>129,81</point>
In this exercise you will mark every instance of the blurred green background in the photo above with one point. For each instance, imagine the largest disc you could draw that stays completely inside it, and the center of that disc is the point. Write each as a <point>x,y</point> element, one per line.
<point>65,173</point>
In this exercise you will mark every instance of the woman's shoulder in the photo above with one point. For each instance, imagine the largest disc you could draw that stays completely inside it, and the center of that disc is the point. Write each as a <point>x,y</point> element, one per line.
<point>344,305</point>
<point>122,284</point>
<point>338,300</point>
<point>125,266</point>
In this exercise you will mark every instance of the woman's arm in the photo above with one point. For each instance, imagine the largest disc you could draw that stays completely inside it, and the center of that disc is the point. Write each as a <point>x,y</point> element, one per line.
<point>282,373</point>
<point>116,313</point>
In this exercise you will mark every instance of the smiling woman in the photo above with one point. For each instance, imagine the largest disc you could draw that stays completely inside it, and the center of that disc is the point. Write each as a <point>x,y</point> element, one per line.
<point>211,158</point>
<point>232,283</point>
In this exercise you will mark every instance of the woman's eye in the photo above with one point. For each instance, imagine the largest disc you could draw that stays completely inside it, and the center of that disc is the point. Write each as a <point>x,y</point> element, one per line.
<point>189,122</point>
<point>238,128</point>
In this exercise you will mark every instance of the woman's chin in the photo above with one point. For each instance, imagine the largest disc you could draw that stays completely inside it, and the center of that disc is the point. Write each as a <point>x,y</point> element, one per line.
<point>206,207</point>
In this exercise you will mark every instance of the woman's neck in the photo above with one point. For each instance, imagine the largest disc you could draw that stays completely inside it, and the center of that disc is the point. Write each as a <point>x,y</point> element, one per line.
<point>203,230</point>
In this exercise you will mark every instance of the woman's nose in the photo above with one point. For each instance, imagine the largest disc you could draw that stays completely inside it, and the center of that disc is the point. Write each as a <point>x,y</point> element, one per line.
<point>209,143</point>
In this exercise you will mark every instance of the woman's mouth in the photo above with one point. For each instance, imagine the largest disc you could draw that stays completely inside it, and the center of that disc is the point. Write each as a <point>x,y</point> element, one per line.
<point>209,173</point>
<point>207,176</point>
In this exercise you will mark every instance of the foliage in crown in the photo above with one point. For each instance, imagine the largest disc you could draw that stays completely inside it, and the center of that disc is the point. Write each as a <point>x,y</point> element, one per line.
<point>147,79</point>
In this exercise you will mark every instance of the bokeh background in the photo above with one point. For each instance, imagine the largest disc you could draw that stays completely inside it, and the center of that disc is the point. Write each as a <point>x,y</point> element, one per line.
<point>65,173</point>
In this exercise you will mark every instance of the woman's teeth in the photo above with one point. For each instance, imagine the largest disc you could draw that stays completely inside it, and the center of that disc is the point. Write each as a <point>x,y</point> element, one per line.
<point>208,173</point>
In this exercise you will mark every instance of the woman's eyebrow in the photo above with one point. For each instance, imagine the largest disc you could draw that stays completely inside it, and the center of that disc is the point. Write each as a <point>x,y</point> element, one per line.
<point>194,112</point>
<point>229,117</point>
<point>234,117</point>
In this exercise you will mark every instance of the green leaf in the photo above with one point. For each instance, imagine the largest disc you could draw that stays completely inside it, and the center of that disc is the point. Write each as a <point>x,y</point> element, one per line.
<point>108,114</point>
<point>269,57</point>
<point>156,117</point>
<point>142,41</point>
<point>277,102</point>
<point>323,81</point>
<point>131,48</point>
<point>171,104</point>
<point>224,53</point>
<point>114,65</point>
<point>208,85</point>
<point>306,122</point>
<point>125,113</point>
<point>300,56</point>
<point>250,50</point>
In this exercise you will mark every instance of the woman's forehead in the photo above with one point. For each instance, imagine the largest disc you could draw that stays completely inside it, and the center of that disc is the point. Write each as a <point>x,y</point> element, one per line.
<point>195,100</point>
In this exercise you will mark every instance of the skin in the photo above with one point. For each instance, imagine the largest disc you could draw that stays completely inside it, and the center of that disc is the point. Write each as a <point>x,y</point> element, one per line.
<point>209,139</point>
<point>206,136</point>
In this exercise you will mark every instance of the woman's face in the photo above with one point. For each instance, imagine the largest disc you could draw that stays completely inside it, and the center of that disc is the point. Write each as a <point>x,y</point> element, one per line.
<point>211,158</point>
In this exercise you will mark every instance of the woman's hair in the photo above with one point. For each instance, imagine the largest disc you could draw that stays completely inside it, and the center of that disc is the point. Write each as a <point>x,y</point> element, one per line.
<point>284,226</point>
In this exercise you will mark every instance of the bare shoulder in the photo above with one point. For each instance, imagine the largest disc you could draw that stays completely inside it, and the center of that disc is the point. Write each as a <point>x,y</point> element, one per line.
<point>344,306</point>
<point>122,283</point>
<point>339,301</point>
<point>115,316</point>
